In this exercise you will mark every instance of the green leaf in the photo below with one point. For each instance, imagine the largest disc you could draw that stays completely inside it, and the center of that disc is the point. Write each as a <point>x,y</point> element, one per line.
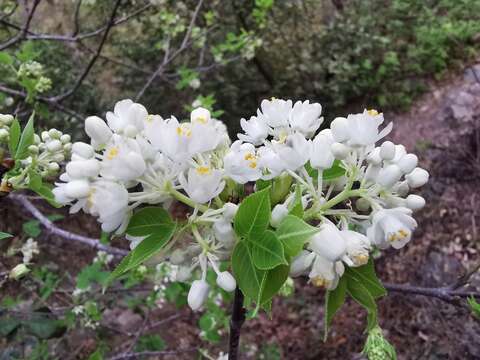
<point>149,220</point>
<point>280,188</point>
<point>5,58</point>
<point>334,172</point>
<point>92,274</point>
<point>4,235</point>
<point>8,324</point>
<point>333,302</point>
<point>272,282</point>
<point>361,295</point>
<point>15,131</point>
<point>249,278</point>
<point>253,215</point>
<point>45,191</point>
<point>293,232</point>
<point>366,275</point>
<point>296,207</point>
<point>44,327</point>
<point>267,250</point>
<point>26,140</point>
<point>157,226</point>
<point>32,227</point>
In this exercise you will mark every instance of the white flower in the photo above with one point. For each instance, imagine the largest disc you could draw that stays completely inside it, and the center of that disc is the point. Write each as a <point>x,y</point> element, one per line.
<point>387,150</point>
<point>256,130</point>
<point>127,118</point>
<point>200,115</point>
<point>83,169</point>
<point>83,150</point>
<point>275,112</point>
<point>109,201</point>
<point>363,128</point>
<point>321,156</point>
<point>407,163</point>
<point>202,183</point>
<point>305,117</point>
<point>224,232</point>
<point>414,202</point>
<point>418,177</point>
<point>301,263</point>
<point>339,128</point>
<point>389,175</point>
<point>391,227</point>
<point>270,162</point>
<point>226,281</point>
<point>279,212</point>
<point>99,133</point>
<point>198,294</point>
<point>328,242</point>
<point>77,189</point>
<point>241,163</point>
<point>294,152</point>
<point>358,246</point>
<point>326,273</point>
<point>122,160</point>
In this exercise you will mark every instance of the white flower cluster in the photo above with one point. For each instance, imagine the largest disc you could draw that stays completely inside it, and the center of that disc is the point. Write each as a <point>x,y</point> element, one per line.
<point>135,158</point>
<point>282,138</point>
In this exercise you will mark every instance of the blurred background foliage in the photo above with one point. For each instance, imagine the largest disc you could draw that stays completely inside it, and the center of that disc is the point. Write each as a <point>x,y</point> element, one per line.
<point>344,54</point>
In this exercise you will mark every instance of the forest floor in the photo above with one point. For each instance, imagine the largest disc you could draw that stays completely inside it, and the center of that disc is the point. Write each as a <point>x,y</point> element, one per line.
<point>443,128</point>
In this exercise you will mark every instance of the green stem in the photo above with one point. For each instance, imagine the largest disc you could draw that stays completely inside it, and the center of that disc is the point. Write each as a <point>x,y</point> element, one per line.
<point>185,199</point>
<point>344,195</point>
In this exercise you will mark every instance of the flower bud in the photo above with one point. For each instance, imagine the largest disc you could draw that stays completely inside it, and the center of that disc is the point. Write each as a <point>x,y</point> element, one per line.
<point>200,115</point>
<point>53,167</point>
<point>279,213</point>
<point>18,271</point>
<point>387,150</point>
<point>374,157</point>
<point>6,119</point>
<point>45,136</point>
<point>415,202</point>
<point>77,189</point>
<point>177,257</point>
<point>97,130</point>
<point>224,233</point>
<point>4,134</point>
<point>83,169</point>
<point>58,157</point>
<point>82,149</point>
<point>67,147</point>
<point>340,131</point>
<point>339,150</point>
<point>418,177</point>
<point>36,139</point>
<point>54,133</point>
<point>362,204</point>
<point>388,176</point>
<point>372,171</point>
<point>198,294</point>
<point>54,146</point>
<point>65,138</point>
<point>229,211</point>
<point>226,281</point>
<point>33,149</point>
<point>407,163</point>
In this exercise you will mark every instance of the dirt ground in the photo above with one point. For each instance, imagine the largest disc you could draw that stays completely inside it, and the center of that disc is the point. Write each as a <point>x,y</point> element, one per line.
<point>443,128</point>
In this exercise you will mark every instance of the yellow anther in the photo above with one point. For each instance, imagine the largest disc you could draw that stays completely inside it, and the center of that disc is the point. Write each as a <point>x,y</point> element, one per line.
<point>184,130</point>
<point>361,259</point>
<point>372,112</point>
<point>402,234</point>
<point>112,153</point>
<point>392,237</point>
<point>201,119</point>
<point>319,281</point>
<point>90,197</point>
<point>253,164</point>
<point>250,156</point>
<point>204,170</point>
<point>149,118</point>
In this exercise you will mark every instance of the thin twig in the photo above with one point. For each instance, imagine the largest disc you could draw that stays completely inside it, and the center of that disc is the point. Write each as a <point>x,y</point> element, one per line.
<point>92,61</point>
<point>151,353</point>
<point>53,229</point>
<point>24,30</point>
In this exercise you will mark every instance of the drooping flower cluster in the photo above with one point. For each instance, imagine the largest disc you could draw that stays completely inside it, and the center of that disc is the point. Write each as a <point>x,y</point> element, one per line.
<point>356,193</point>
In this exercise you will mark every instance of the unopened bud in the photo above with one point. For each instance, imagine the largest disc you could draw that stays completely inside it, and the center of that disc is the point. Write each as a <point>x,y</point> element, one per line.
<point>279,213</point>
<point>407,163</point>
<point>229,210</point>
<point>83,168</point>
<point>67,147</point>
<point>362,204</point>
<point>82,149</point>
<point>45,136</point>
<point>226,281</point>
<point>387,150</point>
<point>374,157</point>
<point>340,131</point>
<point>53,167</point>
<point>4,134</point>
<point>54,133</point>
<point>200,115</point>
<point>97,130</point>
<point>19,271</point>
<point>65,138</point>
<point>54,146</point>
<point>33,149</point>
<point>415,202</point>
<point>198,294</point>
<point>339,151</point>
<point>6,119</point>
<point>36,139</point>
<point>418,177</point>
<point>388,176</point>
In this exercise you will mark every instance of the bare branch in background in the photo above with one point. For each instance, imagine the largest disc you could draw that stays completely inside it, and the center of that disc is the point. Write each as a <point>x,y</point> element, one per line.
<point>93,59</point>
<point>167,58</point>
<point>53,229</point>
<point>24,30</point>
<point>151,353</point>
